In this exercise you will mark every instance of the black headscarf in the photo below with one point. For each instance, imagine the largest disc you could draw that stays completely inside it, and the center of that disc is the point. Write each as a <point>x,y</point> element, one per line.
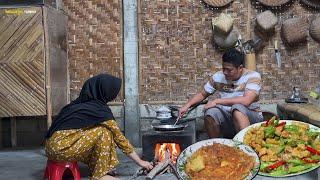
<point>90,108</point>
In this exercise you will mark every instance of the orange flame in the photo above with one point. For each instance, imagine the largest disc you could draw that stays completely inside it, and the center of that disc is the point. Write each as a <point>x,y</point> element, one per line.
<point>171,149</point>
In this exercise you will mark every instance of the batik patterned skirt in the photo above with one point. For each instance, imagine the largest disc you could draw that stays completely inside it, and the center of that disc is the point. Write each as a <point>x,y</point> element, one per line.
<point>94,146</point>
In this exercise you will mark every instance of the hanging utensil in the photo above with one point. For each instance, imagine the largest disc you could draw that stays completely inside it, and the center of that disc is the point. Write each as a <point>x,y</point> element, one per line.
<point>240,45</point>
<point>277,54</point>
<point>256,45</point>
<point>248,46</point>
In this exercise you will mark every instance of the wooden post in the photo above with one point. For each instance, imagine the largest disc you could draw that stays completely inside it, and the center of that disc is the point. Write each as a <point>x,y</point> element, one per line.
<point>47,67</point>
<point>13,131</point>
<point>248,28</point>
<point>1,133</point>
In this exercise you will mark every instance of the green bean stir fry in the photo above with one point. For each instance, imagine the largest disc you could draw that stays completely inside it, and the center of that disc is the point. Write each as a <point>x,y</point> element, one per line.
<point>285,148</point>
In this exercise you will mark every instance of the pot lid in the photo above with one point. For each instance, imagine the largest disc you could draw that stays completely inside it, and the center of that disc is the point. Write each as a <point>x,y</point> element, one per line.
<point>164,109</point>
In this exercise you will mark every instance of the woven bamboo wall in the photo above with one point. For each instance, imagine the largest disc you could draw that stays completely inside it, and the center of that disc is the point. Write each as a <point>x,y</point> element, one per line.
<point>22,86</point>
<point>177,55</point>
<point>94,39</point>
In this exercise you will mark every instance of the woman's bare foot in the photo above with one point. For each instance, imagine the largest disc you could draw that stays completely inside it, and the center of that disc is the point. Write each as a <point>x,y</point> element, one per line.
<point>107,177</point>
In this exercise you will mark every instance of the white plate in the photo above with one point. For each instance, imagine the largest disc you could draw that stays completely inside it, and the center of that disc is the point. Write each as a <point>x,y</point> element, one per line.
<point>241,134</point>
<point>182,159</point>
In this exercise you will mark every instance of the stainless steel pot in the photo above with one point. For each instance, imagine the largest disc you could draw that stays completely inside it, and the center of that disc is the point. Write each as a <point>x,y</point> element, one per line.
<point>175,113</point>
<point>163,112</point>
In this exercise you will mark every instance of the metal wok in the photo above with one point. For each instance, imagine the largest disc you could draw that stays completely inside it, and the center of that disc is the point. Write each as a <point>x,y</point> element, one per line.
<point>169,127</point>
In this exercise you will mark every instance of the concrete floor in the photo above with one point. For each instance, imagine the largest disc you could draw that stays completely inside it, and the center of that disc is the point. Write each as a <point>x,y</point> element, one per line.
<point>30,164</point>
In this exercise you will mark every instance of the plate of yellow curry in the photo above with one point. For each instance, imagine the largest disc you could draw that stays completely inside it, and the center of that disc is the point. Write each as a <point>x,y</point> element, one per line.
<point>285,147</point>
<point>218,159</point>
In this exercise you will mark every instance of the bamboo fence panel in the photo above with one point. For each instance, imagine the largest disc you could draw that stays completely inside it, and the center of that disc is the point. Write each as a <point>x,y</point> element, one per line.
<point>22,85</point>
<point>94,41</point>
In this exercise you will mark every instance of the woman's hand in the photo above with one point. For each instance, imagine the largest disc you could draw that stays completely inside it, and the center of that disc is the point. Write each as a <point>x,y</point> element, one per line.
<point>145,164</point>
<point>139,161</point>
<point>210,104</point>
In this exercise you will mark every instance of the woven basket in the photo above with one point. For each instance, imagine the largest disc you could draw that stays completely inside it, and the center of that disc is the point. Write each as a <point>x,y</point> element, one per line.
<point>223,23</point>
<point>294,31</point>
<point>217,3</point>
<point>273,3</point>
<point>314,29</point>
<point>226,41</point>
<point>266,21</point>
<point>312,3</point>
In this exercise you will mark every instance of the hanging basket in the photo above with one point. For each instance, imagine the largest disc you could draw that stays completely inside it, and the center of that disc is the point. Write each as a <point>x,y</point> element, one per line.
<point>225,41</point>
<point>217,3</point>
<point>314,29</point>
<point>266,21</point>
<point>294,31</point>
<point>312,3</point>
<point>274,3</point>
<point>223,23</point>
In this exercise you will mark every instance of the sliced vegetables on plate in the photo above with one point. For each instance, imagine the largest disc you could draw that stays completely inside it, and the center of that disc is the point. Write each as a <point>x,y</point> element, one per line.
<point>285,147</point>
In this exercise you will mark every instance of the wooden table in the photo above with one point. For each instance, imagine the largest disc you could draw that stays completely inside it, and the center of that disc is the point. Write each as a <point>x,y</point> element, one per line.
<point>305,112</point>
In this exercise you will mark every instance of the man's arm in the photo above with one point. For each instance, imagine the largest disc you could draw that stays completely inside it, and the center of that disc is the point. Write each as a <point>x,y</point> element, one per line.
<point>248,98</point>
<point>195,99</point>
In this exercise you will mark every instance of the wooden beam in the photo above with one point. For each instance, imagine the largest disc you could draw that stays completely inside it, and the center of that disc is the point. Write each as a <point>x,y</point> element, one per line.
<point>13,131</point>
<point>1,132</point>
<point>47,67</point>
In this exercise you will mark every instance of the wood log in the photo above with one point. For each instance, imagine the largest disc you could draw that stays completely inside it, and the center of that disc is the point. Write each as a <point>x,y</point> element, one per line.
<point>158,168</point>
<point>174,170</point>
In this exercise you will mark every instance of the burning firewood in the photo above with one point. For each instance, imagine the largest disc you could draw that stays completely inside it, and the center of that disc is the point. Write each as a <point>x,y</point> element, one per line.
<point>158,168</point>
<point>164,166</point>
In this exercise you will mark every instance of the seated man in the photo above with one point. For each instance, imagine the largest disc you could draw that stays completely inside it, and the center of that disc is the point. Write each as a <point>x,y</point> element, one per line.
<point>238,93</point>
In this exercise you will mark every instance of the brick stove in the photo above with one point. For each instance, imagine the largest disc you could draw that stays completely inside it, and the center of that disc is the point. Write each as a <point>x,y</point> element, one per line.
<point>151,138</point>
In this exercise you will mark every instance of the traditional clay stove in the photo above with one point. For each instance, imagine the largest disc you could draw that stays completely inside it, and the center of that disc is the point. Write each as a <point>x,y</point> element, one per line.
<point>182,139</point>
<point>164,147</point>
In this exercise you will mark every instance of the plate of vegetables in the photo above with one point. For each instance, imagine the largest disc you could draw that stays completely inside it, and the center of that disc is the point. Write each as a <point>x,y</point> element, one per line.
<point>285,147</point>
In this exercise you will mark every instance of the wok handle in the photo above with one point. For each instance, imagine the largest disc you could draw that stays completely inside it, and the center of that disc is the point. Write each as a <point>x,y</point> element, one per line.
<point>196,105</point>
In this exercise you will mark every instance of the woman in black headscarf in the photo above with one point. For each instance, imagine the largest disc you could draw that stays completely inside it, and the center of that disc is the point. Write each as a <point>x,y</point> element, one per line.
<point>85,130</point>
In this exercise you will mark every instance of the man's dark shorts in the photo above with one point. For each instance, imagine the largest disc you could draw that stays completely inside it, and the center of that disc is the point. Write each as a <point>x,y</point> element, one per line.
<point>224,118</point>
